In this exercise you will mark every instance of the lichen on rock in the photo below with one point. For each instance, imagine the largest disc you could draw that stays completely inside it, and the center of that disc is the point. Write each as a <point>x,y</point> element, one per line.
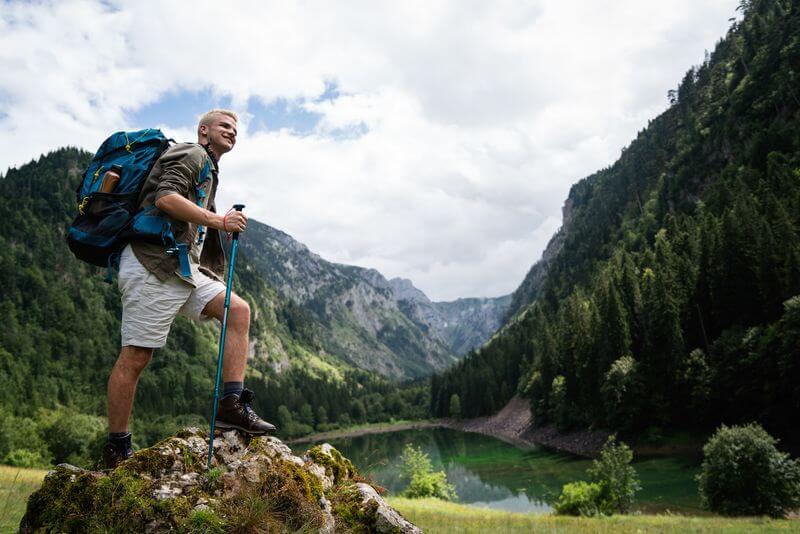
<point>256,485</point>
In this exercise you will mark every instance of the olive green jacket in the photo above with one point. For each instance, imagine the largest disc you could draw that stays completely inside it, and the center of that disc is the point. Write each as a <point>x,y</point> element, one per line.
<point>178,171</point>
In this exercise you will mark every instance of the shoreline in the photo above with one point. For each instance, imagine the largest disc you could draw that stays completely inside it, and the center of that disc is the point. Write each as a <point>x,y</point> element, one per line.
<point>514,425</point>
<point>364,430</point>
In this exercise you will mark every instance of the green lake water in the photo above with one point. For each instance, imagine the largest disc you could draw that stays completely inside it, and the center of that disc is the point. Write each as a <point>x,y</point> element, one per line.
<point>491,473</point>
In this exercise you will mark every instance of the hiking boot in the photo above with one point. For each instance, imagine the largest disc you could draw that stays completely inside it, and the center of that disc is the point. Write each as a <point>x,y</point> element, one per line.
<point>116,452</point>
<point>235,412</point>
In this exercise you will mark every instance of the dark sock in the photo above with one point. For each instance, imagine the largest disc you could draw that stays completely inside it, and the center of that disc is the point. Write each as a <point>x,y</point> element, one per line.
<point>232,388</point>
<point>119,437</point>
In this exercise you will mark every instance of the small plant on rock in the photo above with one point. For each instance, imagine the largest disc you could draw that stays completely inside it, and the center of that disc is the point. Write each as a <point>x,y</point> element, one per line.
<point>206,521</point>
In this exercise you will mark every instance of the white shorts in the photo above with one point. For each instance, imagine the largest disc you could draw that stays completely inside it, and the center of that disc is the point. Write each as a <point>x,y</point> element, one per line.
<point>149,305</point>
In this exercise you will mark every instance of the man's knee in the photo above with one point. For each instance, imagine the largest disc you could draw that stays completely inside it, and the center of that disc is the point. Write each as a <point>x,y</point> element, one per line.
<point>135,359</point>
<point>239,313</point>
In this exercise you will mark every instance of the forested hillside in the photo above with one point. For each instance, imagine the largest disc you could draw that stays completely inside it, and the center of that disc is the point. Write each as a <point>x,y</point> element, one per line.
<point>674,298</point>
<point>60,338</point>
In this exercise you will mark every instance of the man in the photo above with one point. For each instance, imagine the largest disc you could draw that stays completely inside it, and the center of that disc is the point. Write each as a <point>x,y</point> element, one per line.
<point>182,186</point>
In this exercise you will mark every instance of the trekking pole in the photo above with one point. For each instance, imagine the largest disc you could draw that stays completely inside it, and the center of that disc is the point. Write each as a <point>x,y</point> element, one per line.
<point>229,283</point>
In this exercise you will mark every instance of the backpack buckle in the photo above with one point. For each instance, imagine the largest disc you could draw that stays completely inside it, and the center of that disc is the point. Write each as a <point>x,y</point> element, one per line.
<point>182,252</point>
<point>82,205</point>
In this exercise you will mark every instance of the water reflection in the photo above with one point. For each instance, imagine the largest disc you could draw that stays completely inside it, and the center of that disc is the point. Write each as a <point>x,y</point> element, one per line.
<point>491,473</point>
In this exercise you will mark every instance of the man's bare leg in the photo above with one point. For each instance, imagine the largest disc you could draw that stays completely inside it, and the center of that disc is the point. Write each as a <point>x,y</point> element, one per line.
<point>236,337</point>
<point>122,385</point>
<point>235,410</point>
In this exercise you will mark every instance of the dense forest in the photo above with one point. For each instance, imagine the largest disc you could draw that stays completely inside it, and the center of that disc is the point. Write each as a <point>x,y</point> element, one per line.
<point>674,300</point>
<point>61,335</point>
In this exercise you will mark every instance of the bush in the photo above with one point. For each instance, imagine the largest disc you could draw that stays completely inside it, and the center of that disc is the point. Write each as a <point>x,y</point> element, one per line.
<point>21,433</point>
<point>432,484</point>
<point>25,458</point>
<point>744,474</point>
<point>614,484</point>
<point>423,481</point>
<point>616,477</point>
<point>73,437</point>
<point>579,498</point>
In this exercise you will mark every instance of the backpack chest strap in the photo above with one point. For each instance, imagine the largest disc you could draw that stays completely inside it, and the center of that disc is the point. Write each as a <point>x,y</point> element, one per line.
<point>200,195</point>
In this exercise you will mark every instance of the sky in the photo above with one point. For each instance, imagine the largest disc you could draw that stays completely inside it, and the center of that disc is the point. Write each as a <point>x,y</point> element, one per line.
<point>431,140</point>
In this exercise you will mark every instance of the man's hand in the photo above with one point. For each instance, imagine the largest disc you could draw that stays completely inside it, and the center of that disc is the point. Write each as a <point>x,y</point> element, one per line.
<point>234,221</point>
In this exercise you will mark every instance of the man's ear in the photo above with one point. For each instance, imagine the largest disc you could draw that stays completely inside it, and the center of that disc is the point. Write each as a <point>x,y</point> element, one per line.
<point>203,130</point>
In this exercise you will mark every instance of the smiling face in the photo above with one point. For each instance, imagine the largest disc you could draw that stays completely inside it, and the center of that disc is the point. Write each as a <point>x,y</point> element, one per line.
<point>218,130</point>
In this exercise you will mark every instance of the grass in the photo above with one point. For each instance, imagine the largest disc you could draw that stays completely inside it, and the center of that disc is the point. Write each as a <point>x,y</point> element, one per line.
<point>16,484</point>
<point>434,516</point>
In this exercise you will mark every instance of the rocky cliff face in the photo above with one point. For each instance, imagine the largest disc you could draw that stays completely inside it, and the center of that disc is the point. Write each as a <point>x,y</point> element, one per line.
<point>463,324</point>
<point>256,485</point>
<point>470,322</point>
<point>387,326</point>
<point>531,285</point>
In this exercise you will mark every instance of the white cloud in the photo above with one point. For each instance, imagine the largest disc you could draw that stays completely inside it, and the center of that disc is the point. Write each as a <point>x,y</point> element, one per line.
<point>478,116</point>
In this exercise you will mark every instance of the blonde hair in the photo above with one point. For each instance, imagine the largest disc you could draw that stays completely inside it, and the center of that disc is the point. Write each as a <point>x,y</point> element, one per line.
<point>208,116</point>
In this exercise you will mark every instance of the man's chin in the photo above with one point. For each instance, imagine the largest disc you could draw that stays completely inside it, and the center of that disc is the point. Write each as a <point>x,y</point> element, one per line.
<point>223,148</point>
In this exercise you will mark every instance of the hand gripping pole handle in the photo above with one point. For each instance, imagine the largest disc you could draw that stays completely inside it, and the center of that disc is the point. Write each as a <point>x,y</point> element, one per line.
<point>237,207</point>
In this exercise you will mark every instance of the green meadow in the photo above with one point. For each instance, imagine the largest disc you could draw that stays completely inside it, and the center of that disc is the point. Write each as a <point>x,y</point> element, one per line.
<point>434,516</point>
<point>15,486</point>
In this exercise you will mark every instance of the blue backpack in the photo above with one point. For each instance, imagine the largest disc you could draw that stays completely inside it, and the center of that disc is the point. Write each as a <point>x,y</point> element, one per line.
<point>107,221</point>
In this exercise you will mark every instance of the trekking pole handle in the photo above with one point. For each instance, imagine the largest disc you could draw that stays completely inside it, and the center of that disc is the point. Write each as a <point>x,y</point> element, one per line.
<point>237,207</point>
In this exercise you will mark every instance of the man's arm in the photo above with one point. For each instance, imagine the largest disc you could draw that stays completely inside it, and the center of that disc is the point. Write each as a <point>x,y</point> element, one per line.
<point>183,209</point>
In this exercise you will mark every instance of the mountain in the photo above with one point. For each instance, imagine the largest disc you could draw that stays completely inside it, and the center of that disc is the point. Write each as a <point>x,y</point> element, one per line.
<point>463,324</point>
<point>670,297</point>
<point>386,326</point>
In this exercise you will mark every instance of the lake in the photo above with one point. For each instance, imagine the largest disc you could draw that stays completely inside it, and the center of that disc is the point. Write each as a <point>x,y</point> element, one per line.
<point>490,473</point>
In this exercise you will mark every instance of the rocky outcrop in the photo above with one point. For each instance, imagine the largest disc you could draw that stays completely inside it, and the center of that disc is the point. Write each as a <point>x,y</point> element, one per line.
<point>256,484</point>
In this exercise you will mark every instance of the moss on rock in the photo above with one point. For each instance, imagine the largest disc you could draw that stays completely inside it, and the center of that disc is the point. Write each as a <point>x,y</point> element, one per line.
<point>336,466</point>
<point>79,501</point>
<point>258,485</point>
<point>348,506</point>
